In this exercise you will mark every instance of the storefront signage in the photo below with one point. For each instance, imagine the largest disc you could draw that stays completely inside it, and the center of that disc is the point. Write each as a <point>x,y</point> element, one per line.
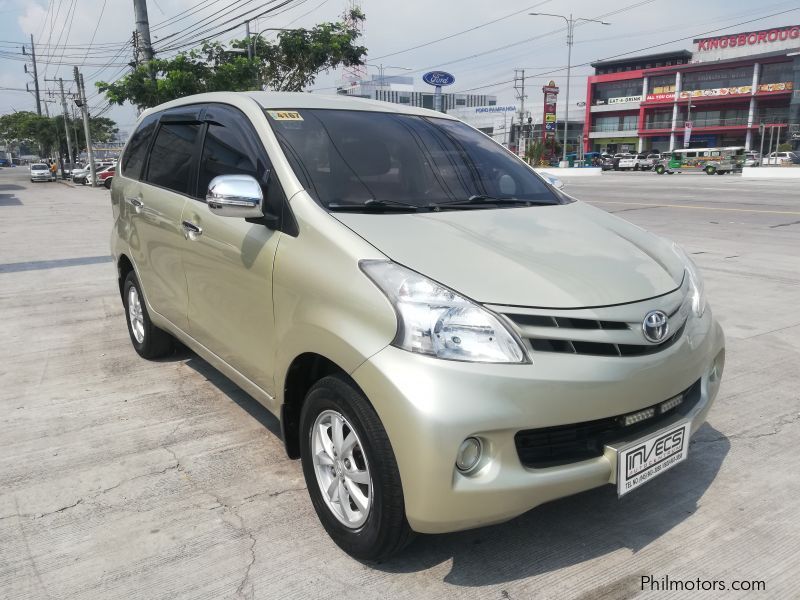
<point>550,92</point>
<point>438,78</point>
<point>624,99</point>
<point>667,97</point>
<point>495,109</point>
<point>750,38</point>
<point>785,86</point>
<point>728,91</point>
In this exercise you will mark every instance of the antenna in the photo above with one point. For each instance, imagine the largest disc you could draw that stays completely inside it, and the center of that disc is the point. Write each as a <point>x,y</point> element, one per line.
<point>355,72</point>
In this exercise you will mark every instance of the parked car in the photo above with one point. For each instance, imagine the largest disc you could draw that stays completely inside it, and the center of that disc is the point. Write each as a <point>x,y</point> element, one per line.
<point>105,173</point>
<point>41,172</point>
<point>645,162</point>
<point>752,159</point>
<point>391,315</point>
<point>606,162</point>
<point>80,175</point>
<point>68,168</point>
<point>625,162</point>
<point>781,158</point>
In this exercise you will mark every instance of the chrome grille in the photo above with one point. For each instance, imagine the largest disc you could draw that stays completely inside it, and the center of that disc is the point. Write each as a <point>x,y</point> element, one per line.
<point>557,333</point>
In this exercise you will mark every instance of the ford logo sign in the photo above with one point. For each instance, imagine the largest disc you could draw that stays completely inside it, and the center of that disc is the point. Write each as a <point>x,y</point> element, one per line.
<point>438,78</point>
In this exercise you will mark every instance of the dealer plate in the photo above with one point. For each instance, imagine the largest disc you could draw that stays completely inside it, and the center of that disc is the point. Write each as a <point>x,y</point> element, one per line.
<point>644,459</point>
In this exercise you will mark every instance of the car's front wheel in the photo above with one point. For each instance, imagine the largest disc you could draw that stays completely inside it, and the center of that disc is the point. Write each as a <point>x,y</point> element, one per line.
<point>351,472</point>
<point>148,340</point>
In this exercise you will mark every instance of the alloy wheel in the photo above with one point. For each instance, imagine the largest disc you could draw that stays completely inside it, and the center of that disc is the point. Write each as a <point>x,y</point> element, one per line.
<point>135,314</point>
<point>341,469</point>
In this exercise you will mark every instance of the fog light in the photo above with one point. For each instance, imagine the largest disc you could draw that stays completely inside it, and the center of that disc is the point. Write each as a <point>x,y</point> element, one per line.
<point>671,403</point>
<point>469,454</point>
<point>638,417</point>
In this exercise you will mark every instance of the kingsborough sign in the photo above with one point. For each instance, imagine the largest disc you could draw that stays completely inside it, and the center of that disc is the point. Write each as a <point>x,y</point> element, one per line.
<point>742,44</point>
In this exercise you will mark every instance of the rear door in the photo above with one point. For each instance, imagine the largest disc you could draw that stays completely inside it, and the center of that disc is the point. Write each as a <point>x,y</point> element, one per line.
<point>229,263</point>
<point>157,238</point>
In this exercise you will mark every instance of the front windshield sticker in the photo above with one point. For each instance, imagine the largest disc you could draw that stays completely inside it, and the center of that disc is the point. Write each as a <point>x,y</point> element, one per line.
<point>285,115</point>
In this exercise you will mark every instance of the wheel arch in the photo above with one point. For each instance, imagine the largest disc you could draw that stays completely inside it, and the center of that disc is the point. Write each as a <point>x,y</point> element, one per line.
<point>124,266</point>
<point>304,371</point>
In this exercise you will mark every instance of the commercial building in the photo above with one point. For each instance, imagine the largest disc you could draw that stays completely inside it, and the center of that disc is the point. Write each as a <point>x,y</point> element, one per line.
<point>399,89</point>
<point>725,92</point>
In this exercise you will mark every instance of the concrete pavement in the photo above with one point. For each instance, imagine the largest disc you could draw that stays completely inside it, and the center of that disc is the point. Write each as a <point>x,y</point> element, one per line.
<point>122,478</point>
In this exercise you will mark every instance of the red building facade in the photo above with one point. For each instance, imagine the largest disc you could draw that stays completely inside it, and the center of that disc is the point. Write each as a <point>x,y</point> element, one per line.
<point>722,92</point>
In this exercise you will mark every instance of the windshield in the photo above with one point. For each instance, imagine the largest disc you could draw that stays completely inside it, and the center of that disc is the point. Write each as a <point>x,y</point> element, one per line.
<point>39,167</point>
<point>346,157</point>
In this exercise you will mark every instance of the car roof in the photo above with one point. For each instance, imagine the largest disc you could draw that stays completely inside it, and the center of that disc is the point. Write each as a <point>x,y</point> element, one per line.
<point>299,101</point>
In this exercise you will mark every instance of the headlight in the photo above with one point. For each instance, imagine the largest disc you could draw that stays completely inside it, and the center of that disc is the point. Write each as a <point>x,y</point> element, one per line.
<point>696,287</point>
<point>436,321</point>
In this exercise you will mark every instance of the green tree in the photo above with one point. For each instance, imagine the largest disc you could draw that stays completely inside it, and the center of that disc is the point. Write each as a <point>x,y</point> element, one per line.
<point>290,63</point>
<point>47,134</point>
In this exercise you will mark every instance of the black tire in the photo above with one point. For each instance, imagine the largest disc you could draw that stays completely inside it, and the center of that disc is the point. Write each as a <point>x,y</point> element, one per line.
<point>107,183</point>
<point>660,169</point>
<point>710,170</point>
<point>156,342</point>
<point>721,172</point>
<point>385,531</point>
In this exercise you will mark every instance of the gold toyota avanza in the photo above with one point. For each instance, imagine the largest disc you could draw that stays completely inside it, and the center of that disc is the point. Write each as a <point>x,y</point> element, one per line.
<point>447,338</point>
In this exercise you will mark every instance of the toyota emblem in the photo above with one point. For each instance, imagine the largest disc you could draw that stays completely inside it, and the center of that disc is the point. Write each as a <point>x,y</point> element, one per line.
<point>655,326</point>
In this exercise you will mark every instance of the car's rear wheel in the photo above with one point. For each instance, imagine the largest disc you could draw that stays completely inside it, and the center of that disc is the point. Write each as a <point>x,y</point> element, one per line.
<point>660,169</point>
<point>148,340</point>
<point>710,170</point>
<point>107,183</point>
<point>351,472</point>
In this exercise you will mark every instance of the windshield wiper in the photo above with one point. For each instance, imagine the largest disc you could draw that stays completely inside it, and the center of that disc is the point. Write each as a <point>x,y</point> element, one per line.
<point>374,205</point>
<point>486,199</point>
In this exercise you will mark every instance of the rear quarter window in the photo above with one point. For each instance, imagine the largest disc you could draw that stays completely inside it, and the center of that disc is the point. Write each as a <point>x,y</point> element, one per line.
<point>136,151</point>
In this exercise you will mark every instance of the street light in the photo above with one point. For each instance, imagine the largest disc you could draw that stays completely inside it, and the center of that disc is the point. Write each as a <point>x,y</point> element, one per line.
<point>570,30</point>
<point>381,68</point>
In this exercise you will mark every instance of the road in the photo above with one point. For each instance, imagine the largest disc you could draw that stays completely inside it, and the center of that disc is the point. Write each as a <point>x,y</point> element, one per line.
<point>121,478</point>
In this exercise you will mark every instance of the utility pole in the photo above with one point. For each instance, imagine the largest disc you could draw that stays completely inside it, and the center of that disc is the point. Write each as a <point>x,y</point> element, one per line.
<point>35,77</point>
<point>70,155</point>
<point>519,87</point>
<point>143,28</point>
<point>249,42</point>
<point>85,111</point>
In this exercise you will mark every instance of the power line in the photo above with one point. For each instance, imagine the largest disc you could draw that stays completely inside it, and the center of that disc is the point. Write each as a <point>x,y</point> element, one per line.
<point>94,33</point>
<point>452,35</point>
<point>199,39</point>
<point>193,28</point>
<point>681,39</point>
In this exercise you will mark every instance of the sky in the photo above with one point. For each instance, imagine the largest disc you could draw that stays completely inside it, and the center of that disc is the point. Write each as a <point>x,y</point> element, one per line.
<point>497,38</point>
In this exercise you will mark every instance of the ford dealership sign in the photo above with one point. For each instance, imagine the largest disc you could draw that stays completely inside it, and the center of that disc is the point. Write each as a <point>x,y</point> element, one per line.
<point>438,78</point>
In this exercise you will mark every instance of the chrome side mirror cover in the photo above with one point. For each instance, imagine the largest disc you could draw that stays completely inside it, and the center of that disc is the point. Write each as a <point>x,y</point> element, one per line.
<point>554,181</point>
<point>235,196</point>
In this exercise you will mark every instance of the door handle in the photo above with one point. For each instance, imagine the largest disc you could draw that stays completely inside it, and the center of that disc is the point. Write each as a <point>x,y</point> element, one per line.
<point>137,204</point>
<point>191,231</point>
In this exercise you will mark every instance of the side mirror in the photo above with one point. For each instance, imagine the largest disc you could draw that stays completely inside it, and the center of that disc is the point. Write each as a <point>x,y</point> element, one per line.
<point>235,196</point>
<point>554,181</point>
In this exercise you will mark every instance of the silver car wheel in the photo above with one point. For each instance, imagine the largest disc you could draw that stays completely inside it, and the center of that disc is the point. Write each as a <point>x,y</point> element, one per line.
<point>135,314</point>
<point>341,467</point>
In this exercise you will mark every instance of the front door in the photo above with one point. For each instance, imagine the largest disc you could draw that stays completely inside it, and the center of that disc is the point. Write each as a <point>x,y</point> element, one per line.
<point>157,203</point>
<point>228,262</point>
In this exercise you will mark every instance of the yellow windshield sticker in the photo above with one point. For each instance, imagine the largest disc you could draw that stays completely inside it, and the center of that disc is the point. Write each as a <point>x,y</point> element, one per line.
<point>285,115</point>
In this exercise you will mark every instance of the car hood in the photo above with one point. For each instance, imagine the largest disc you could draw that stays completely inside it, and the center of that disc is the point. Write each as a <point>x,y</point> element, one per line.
<point>562,256</point>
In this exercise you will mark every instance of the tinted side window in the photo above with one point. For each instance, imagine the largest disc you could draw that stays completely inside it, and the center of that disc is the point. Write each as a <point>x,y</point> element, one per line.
<point>231,148</point>
<point>171,159</point>
<point>133,160</point>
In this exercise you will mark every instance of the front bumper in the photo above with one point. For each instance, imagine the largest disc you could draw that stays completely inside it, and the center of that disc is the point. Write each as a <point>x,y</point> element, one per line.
<point>429,406</point>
